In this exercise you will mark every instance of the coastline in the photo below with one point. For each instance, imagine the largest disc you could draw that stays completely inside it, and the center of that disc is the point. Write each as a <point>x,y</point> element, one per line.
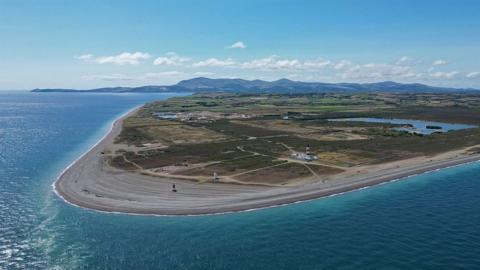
<point>87,183</point>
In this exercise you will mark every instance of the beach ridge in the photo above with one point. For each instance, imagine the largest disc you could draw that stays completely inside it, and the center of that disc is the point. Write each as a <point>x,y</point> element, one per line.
<point>88,183</point>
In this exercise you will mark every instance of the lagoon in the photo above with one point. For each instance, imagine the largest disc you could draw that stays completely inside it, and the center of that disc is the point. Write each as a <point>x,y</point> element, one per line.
<point>410,125</point>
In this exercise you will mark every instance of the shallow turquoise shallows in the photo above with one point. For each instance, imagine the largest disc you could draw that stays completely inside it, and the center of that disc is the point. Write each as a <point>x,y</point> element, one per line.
<point>430,221</point>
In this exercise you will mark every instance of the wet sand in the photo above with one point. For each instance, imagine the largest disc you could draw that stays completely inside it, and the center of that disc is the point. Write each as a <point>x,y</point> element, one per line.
<point>91,184</point>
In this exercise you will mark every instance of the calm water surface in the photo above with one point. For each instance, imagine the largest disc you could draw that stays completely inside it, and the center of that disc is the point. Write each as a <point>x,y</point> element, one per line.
<point>425,222</point>
<point>418,126</point>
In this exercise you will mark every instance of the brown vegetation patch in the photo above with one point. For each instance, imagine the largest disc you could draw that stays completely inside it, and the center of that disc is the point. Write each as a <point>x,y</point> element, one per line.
<point>235,166</point>
<point>302,129</point>
<point>276,175</point>
<point>121,163</point>
<point>166,132</point>
<point>342,159</point>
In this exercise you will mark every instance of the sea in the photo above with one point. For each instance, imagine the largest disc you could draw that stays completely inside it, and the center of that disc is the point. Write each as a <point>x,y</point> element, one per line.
<point>429,221</point>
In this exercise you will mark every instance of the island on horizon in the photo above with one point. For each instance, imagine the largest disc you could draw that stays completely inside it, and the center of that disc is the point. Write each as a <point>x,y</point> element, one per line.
<point>221,152</point>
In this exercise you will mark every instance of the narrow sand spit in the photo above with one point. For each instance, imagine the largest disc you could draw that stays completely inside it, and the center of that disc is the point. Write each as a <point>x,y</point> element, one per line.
<point>89,183</point>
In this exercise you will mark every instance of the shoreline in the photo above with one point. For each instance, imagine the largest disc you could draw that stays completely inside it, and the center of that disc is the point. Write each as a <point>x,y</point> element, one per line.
<point>259,208</point>
<point>86,183</point>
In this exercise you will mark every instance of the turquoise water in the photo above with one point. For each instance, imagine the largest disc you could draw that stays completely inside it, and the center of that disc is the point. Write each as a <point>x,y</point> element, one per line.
<point>430,221</point>
<point>418,126</point>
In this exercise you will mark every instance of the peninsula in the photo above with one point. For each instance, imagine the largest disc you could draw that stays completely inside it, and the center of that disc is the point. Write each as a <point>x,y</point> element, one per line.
<point>220,152</point>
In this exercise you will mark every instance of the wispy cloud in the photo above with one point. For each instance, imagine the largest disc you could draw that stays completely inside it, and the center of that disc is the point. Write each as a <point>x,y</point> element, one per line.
<point>214,62</point>
<point>403,60</point>
<point>439,63</point>
<point>403,69</point>
<point>445,75</point>
<point>109,77</point>
<point>162,75</point>
<point>407,60</point>
<point>237,45</point>
<point>317,63</point>
<point>84,57</point>
<point>376,71</point>
<point>143,77</point>
<point>125,58</point>
<point>472,75</point>
<point>272,63</point>
<point>172,59</point>
<point>344,64</point>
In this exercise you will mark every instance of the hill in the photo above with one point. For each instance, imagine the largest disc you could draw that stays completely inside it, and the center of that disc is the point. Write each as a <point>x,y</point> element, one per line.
<point>202,84</point>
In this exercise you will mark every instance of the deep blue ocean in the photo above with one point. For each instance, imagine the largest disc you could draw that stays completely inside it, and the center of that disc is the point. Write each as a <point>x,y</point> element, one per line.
<point>431,221</point>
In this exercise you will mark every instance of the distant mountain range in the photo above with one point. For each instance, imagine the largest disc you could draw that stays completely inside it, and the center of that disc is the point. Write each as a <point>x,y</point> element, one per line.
<point>280,86</point>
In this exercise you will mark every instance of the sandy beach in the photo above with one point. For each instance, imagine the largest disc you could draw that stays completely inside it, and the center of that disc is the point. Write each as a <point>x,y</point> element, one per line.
<point>90,183</point>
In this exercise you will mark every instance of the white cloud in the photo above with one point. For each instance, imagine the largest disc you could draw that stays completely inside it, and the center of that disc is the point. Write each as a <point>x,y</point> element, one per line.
<point>237,45</point>
<point>214,62</point>
<point>439,63</point>
<point>343,64</point>
<point>444,75</point>
<point>403,60</point>
<point>317,63</point>
<point>171,58</point>
<point>110,77</point>
<point>84,57</point>
<point>402,69</point>
<point>405,69</point>
<point>147,76</point>
<point>375,71</point>
<point>272,63</point>
<point>162,75</point>
<point>123,58</point>
<point>406,60</point>
<point>286,64</point>
<point>475,74</point>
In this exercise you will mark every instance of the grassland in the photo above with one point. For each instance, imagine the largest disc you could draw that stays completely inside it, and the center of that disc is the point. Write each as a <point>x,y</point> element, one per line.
<point>249,138</point>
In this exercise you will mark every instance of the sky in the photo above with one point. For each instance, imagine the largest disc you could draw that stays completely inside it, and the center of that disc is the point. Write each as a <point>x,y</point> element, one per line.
<point>88,44</point>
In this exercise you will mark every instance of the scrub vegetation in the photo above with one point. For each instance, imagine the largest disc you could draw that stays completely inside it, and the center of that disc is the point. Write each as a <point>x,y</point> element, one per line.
<point>256,138</point>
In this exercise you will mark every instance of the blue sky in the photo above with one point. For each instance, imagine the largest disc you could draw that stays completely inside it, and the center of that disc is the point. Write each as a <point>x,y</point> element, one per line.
<point>86,44</point>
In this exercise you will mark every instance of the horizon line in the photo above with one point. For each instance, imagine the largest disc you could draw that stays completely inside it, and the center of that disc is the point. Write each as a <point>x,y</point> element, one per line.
<point>238,78</point>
